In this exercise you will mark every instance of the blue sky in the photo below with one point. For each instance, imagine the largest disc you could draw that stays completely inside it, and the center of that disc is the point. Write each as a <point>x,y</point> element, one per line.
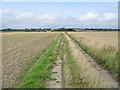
<point>59,14</point>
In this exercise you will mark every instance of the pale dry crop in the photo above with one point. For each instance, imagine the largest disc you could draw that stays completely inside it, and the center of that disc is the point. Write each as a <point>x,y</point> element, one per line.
<point>98,38</point>
<point>18,50</point>
<point>102,46</point>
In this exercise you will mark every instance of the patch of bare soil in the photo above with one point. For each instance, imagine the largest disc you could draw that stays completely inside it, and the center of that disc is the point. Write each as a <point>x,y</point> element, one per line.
<point>18,50</point>
<point>82,57</point>
<point>56,83</point>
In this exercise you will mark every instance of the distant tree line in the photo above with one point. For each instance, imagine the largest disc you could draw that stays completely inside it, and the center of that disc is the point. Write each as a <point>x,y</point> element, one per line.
<point>37,30</point>
<point>65,29</point>
<point>101,29</point>
<point>27,30</point>
<point>56,30</point>
<point>11,30</point>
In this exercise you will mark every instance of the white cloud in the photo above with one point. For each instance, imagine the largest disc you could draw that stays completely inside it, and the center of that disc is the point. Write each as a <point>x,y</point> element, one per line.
<point>108,20</point>
<point>24,15</point>
<point>99,17</point>
<point>28,15</point>
<point>27,20</point>
<point>48,17</point>
<point>88,17</point>
<point>110,16</point>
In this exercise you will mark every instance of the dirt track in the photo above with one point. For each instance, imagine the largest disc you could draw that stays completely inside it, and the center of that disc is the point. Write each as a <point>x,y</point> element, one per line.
<point>57,75</point>
<point>82,57</point>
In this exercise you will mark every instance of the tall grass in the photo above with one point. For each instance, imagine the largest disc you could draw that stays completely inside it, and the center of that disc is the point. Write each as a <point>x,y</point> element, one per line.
<point>107,56</point>
<point>38,72</point>
<point>77,75</point>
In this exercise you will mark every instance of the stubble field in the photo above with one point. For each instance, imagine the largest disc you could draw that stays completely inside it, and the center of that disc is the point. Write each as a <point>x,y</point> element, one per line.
<point>18,49</point>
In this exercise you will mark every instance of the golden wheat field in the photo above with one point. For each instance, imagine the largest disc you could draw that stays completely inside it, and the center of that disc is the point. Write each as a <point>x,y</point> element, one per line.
<point>18,49</point>
<point>98,38</point>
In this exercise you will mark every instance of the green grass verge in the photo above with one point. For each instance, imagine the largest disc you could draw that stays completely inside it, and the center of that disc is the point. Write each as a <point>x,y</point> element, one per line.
<point>38,72</point>
<point>106,56</point>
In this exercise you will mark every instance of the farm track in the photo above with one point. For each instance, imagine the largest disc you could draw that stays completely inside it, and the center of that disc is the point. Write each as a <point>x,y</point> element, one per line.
<point>20,53</point>
<point>80,55</point>
<point>57,69</point>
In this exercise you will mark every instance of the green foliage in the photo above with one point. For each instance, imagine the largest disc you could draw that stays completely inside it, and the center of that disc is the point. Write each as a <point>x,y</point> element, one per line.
<point>64,29</point>
<point>58,29</point>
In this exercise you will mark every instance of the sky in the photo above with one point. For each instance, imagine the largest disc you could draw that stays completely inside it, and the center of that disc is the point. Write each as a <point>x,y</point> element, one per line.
<point>60,0</point>
<point>59,14</point>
